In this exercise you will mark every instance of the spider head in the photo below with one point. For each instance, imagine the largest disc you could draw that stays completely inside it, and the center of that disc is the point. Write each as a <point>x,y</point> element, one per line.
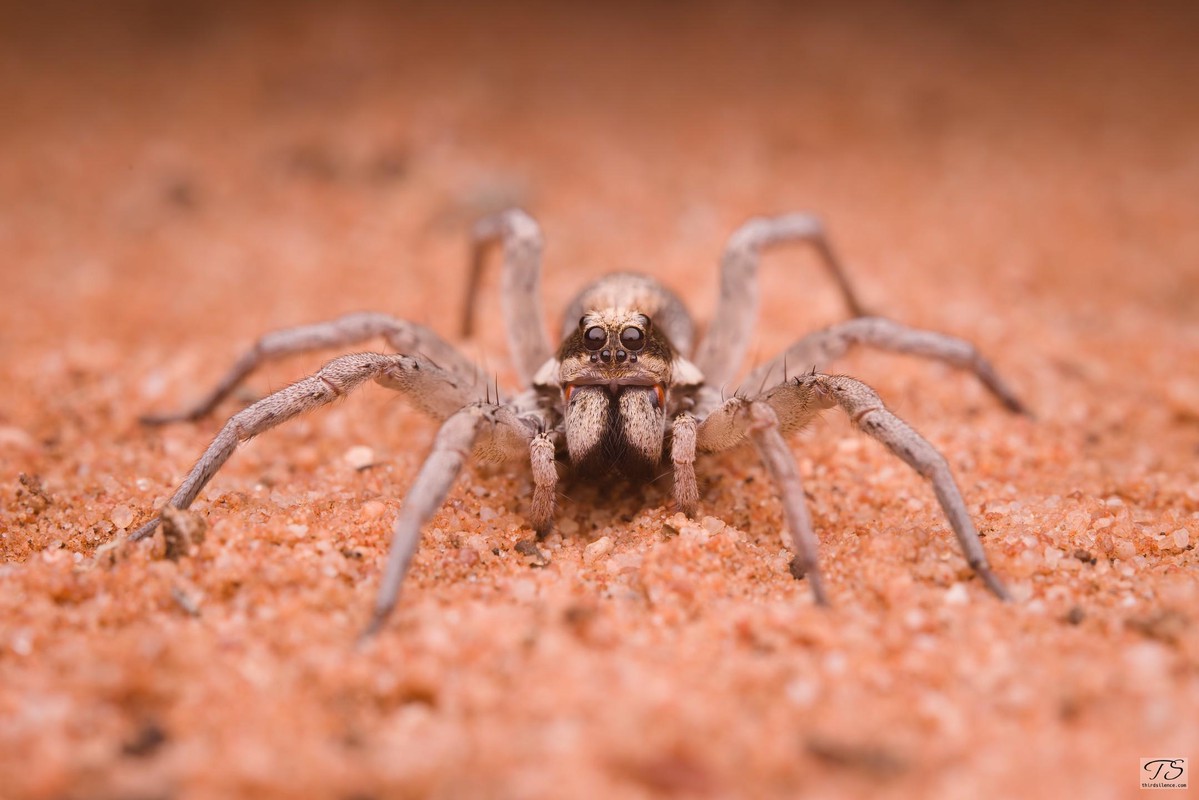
<point>615,372</point>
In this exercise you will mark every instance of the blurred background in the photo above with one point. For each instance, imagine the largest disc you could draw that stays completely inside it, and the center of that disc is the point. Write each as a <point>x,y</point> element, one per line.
<point>318,157</point>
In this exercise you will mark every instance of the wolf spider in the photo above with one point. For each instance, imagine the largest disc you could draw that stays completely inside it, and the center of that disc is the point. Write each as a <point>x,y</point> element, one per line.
<point>626,390</point>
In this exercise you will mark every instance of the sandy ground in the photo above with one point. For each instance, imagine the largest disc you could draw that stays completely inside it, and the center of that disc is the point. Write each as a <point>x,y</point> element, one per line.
<point>176,179</point>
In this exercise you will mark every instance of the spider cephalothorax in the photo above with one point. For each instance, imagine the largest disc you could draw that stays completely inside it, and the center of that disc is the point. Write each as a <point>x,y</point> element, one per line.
<point>626,390</point>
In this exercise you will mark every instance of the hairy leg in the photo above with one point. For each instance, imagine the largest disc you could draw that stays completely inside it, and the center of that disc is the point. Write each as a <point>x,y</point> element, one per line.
<point>520,286</point>
<point>433,389</point>
<point>780,463</point>
<point>722,349</point>
<point>867,411</point>
<point>545,483</point>
<point>817,349</point>
<point>800,400</point>
<point>406,337</point>
<point>682,456</point>
<point>452,447</point>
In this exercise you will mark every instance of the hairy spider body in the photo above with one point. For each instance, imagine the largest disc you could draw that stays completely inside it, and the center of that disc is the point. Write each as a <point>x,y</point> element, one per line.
<point>617,372</point>
<point>625,391</point>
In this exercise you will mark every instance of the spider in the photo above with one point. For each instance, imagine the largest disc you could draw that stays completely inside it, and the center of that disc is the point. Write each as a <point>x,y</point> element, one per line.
<point>627,389</point>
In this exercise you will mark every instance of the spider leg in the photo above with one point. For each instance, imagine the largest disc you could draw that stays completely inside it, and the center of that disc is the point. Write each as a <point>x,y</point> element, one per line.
<point>727,339</point>
<point>431,388</point>
<point>520,286</point>
<point>682,456</point>
<point>780,463</point>
<point>453,446</point>
<point>817,349</point>
<point>545,483</point>
<point>406,337</point>
<point>802,399</point>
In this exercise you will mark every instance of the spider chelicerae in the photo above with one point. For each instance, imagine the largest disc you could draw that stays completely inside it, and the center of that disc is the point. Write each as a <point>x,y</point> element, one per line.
<point>627,389</point>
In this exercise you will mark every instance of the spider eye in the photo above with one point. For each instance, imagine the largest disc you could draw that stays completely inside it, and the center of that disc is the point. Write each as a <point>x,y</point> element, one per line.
<point>632,338</point>
<point>595,337</point>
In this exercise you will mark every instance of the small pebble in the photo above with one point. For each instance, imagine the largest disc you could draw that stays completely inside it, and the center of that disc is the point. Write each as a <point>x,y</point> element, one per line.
<point>523,591</point>
<point>359,456</point>
<point>11,436</point>
<point>597,549</point>
<point>372,509</point>
<point>1181,538</point>
<point>122,516</point>
<point>625,562</point>
<point>802,692</point>
<point>957,595</point>
<point>533,555</point>
<point>22,642</point>
<point>181,531</point>
<point>1148,662</point>
<point>306,457</point>
<point>1125,550</point>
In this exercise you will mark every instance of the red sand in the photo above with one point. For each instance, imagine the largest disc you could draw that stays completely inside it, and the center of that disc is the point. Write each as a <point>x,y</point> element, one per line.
<point>178,179</point>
